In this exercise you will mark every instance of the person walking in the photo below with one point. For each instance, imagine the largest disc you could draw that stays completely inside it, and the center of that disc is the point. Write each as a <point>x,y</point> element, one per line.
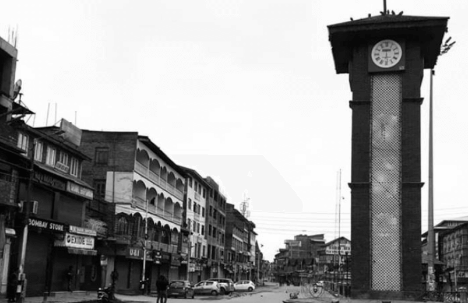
<point>161,287</point>
<point>70,278</point>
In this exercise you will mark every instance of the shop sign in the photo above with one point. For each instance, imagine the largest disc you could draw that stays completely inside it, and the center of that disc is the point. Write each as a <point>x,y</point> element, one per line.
<point>99,226</point>
<point>175,260</point>
<point>76,241</point>
<point>46,225</point>
<point>157,257</point>
<point>79,190</point>
<point>49,180</point>
<point>134,253</point>
<point>82,231</point>
<point>103,260</point>
<point>191,267</point>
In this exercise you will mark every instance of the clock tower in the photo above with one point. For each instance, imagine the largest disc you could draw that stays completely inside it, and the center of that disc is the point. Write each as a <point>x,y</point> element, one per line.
<point>385,57</point>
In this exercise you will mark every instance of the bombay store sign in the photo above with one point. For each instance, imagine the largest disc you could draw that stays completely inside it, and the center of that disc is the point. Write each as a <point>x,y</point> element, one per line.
<point>46,225</point>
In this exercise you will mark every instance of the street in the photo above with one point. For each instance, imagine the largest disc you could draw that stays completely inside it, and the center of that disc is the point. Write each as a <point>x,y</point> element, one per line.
<point>271,292</point>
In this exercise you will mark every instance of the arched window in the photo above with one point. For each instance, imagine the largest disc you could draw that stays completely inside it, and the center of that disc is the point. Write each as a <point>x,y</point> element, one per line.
<point>122,226</point>
<point>165,236</point>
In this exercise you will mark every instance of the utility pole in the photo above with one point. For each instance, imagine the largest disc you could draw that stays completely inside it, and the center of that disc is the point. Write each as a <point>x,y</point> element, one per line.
<point>258,265</point>
<point>143,274</point>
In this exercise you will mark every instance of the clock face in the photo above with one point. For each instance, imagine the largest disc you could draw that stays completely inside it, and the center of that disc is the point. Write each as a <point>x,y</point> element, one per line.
<point>386,53</point>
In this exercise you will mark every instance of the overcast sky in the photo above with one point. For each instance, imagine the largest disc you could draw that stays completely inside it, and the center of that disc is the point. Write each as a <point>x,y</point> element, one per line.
<point>243,91</point>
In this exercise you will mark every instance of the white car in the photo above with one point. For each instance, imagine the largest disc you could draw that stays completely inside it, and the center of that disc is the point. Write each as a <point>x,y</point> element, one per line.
<point>207,288</point>
<point>244,285</point>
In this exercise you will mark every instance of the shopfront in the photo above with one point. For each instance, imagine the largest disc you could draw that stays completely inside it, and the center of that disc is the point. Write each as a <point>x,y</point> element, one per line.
<point>43,262</point>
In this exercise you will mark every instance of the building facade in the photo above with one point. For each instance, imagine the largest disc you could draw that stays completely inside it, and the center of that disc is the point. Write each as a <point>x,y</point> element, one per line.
<point>196,192</point>
<point>241,256</point>
<point>147,189</point>
<point>216,226</point>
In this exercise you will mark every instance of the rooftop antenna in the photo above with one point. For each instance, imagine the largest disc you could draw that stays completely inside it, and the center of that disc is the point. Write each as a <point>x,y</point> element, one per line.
<point>47,118</point>
<point>385,6</point>
<point>17,89</point>
<point>244,206</point>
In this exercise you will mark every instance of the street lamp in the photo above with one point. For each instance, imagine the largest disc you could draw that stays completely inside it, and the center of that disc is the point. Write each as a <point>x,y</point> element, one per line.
<point>431,283</point>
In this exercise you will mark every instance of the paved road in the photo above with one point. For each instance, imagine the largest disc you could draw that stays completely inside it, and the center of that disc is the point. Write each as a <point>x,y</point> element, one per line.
<point>269,293</point>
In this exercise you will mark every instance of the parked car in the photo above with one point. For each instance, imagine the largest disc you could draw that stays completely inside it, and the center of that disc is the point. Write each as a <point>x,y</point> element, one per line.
<point>207,287</point>
<point>226,285</point>
<point>180,288</point>
<point>244,285</point>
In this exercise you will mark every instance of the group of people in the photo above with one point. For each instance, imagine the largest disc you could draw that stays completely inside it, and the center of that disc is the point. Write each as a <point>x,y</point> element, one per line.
<point>161,287</point>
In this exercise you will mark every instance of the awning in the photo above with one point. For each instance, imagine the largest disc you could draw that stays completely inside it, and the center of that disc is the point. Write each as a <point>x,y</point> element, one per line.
<point>80,251</point>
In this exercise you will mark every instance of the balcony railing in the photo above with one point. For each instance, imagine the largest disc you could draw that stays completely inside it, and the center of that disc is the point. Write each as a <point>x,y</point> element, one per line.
<point>155,178</point>
<point>141,169</point>
<point>137,201</point>
<point>177,219</point>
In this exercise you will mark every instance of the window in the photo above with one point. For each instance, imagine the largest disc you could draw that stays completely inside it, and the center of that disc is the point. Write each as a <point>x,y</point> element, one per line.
<point>189,223</point>
<point>211,210</point>
<point>102,155</point>
<point>190,182</point>
<point>122,226</point>
<point>199,188</point>
<point>196,185</point>
<point>209,230</point>
<point>204,193</point>
<point>74,167</point>
<point>194,226</point>
<point>194,207</point>
<point>38,151</point>
<point>203,250</point>
<point>63,158</point>
<point>189,204</point>
<point>214,232</point>
<point>100,188</point>
<point>23,141</point>
<point>198,227</point>
<point>215,213</point>
<point>203,212</point>
<point>50,160</point>
<point>203,230</point>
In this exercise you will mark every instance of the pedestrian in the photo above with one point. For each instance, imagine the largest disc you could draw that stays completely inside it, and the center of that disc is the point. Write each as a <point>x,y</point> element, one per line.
<point>12,286</point>
<point>69,278</point>
<point>161,287</point>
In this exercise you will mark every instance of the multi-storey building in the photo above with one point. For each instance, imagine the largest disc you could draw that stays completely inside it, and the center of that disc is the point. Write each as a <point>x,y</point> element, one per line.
<point>58,240</point>
<point>241,252</point>
<point>196,190</point>
<point>335,264</point>
<point>216,226</point>
<point>147,189</point>
<point>13,168</point>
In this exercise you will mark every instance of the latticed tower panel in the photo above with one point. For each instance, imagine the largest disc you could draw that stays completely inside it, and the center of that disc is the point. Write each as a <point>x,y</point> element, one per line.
<point>386,182</point>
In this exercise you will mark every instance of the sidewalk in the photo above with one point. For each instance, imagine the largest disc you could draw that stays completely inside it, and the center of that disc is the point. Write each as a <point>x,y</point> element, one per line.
<point>83,297</point>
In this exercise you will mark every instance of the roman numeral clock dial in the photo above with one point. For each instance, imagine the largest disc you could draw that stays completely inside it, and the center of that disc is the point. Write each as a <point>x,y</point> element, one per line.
<point>386,53</point>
